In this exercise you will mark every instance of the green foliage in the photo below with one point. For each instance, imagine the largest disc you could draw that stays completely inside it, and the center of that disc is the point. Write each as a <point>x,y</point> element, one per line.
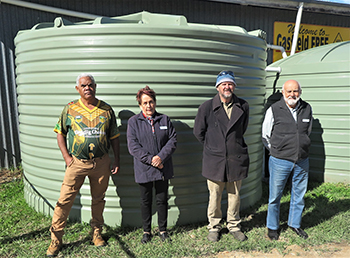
<point>25,233</point>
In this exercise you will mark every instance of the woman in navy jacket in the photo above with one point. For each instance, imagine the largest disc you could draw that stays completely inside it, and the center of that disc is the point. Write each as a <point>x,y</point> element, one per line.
<point>151,141</point>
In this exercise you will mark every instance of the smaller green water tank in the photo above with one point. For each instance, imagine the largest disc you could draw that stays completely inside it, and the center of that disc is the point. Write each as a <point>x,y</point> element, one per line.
<point>324,75</point>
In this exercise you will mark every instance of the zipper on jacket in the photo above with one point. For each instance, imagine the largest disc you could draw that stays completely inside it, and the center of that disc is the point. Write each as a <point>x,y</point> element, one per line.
<point>298,143</point>
<point>156,145</point>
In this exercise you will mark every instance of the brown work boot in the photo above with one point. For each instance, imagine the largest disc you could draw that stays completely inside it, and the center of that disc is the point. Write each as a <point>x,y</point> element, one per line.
<point>97,238</point>
<point>239,235</point>
<point>54,247</point>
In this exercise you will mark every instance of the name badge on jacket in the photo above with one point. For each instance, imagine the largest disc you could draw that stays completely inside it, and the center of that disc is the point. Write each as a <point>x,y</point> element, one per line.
<point>163,127</point>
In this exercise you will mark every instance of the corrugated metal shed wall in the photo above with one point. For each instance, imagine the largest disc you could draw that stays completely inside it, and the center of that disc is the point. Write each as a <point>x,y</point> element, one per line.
<point>207,12</point>
<point>14,18</point>
<point>9,142</point>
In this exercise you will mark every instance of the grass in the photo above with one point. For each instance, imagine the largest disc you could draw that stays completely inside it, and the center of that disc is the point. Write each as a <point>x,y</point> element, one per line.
<point>25,233</point>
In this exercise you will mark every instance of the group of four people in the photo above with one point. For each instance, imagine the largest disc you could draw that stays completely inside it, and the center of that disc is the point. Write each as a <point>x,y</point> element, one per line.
<point>89,125</point>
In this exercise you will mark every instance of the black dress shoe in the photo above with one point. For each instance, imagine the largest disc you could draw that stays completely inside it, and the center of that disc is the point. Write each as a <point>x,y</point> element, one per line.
<point>165,237</point>
<point>272,234</point>
<point>300,232</point>
<point>146,238</point>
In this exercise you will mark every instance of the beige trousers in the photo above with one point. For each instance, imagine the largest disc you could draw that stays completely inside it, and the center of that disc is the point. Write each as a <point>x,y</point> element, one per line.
<point>98,172</point>
<point>214,207</point>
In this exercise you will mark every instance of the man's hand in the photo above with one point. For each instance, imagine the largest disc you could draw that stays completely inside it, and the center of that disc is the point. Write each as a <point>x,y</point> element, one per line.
<point>115,168</point>
<point>116,151</point>
<point>68,159</point>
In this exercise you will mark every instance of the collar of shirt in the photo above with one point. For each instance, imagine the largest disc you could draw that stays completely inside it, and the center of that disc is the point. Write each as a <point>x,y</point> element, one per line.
<point>227,105</point>
<point>294,110</point>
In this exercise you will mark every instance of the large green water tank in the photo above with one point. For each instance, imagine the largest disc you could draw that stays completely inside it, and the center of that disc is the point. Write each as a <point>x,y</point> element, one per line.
<point>324,75</point>
<point>178,60</point>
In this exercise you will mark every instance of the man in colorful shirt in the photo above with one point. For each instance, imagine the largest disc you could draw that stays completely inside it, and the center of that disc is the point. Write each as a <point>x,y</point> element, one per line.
<point>90,126</point>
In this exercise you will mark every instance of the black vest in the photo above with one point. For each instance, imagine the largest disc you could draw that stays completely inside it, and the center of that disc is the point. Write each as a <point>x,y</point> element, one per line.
<point>289,139</point>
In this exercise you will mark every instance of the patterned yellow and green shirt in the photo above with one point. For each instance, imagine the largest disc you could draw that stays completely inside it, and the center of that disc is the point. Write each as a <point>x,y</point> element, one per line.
<point>88,131</point>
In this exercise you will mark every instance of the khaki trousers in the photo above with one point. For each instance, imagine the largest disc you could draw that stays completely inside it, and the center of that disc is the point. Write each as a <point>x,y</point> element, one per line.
<point>214,207</point>
<point>98,171</point>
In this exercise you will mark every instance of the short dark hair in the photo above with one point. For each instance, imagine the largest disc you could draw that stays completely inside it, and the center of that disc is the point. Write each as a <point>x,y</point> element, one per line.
<point>146,90</point>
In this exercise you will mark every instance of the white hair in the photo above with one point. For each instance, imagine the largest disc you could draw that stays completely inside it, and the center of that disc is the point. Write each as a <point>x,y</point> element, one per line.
<point>85,75</point>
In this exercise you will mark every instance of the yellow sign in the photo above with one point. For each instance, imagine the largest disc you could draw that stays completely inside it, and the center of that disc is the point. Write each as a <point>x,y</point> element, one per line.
<point>310,36</point>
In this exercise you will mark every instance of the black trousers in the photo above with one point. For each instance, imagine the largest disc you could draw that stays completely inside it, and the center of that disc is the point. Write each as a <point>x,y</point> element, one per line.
<point>146,189</point>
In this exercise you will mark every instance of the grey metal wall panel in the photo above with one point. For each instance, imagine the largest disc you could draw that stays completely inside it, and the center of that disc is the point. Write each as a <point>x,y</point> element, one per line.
<point>9,137</point>
<point>14,18</point>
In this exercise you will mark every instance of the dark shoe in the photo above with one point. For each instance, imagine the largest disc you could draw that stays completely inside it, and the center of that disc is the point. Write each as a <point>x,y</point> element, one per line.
<point>238,235</point>
<point>146,238</point>
<point>213,236</point>
<point>165,237</point>
<point>272,234</point>
<point>300,232</point>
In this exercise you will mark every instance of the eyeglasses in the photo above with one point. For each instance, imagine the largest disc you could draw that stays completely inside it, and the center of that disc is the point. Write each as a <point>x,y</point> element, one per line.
<point>226,73</point>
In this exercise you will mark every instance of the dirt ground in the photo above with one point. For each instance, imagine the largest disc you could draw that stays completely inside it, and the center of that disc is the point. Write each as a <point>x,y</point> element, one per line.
<point>324,251</point>
<point>8,175</point>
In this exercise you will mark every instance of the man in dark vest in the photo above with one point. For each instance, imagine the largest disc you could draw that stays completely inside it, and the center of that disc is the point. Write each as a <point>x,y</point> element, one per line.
<point>219,125</point>
<point>285,133</point>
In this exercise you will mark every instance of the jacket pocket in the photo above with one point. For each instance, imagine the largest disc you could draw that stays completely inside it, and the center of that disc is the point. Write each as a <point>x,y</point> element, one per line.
<point>213,151</point>
<point>283,142</point>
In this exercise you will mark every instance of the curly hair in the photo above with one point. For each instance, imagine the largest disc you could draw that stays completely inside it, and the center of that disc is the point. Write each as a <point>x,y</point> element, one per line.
<point>85,75</point>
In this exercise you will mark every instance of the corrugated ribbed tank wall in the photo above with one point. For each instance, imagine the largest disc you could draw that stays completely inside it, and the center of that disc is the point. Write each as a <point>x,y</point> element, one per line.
<point>179,61</point>
<point>324,74</point>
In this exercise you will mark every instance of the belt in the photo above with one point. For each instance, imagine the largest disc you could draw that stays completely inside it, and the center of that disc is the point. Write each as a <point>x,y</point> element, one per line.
<point>89,160</point>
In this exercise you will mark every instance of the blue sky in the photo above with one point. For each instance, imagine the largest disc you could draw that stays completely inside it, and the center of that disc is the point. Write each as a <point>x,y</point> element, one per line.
<point>337,1</point>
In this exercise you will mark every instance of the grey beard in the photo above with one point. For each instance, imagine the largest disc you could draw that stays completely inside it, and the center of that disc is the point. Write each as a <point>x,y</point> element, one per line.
<point>227,96</point>
<point>292,102</point>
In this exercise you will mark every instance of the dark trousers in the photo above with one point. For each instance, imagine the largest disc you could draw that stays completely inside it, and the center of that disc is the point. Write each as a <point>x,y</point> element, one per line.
<point>161,188</point>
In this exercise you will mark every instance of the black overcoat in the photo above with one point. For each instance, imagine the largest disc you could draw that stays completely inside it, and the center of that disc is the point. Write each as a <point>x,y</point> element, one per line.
<point>225,153</point>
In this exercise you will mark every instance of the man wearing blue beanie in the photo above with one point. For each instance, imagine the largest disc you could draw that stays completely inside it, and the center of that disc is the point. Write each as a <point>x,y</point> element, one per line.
<point>220,125</point>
